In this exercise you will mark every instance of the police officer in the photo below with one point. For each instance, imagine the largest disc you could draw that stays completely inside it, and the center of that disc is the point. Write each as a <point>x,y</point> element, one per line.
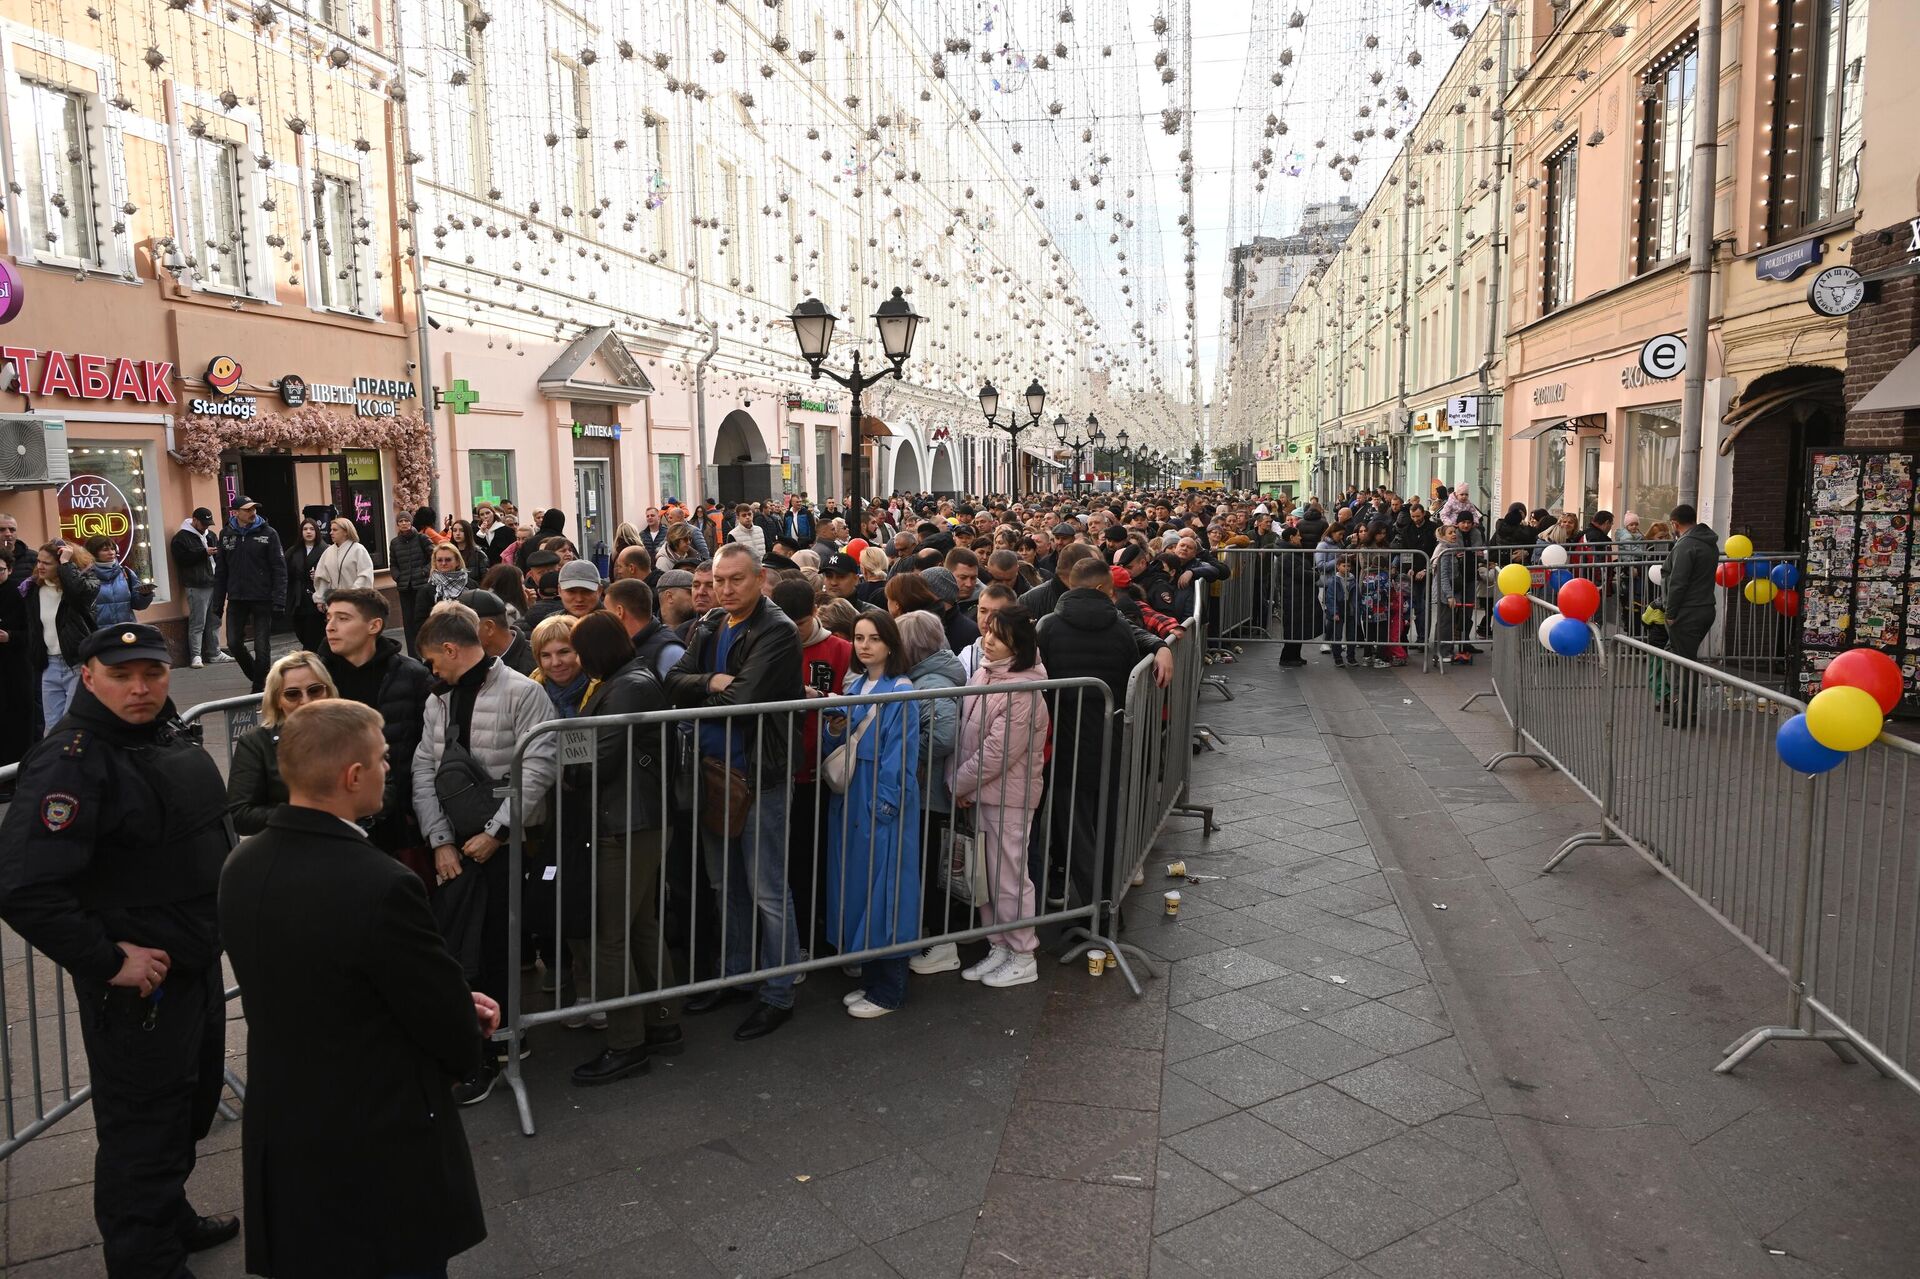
<point>110,859</point>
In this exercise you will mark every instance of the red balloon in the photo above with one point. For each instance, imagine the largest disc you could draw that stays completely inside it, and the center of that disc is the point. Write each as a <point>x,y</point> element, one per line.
<point>1869,670</point>
<point>1514,609</point>
<point>1787,603</point>
<point>1579,599</point>
<point>1730,574</point>
<point>857,547</point>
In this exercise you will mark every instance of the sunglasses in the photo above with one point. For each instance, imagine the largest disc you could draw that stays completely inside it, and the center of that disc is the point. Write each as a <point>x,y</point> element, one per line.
<point>311,693</point>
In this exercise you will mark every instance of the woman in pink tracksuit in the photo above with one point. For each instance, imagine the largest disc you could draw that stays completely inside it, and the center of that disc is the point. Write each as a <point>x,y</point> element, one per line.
<point>997,768</point>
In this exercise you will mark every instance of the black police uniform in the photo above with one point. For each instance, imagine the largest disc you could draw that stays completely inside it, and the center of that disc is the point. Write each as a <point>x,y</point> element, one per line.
<point>118,833</point>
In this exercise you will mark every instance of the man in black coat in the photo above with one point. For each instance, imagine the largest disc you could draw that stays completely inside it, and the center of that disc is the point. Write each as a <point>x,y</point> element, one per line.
<point>410,559</point>
<point>368,667</point>
<point>250,578</point>
<point>354,1161</point>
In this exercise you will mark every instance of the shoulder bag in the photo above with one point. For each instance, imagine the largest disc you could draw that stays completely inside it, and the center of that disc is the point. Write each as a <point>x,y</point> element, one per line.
<point>840,762</point>
<point>463,787</point>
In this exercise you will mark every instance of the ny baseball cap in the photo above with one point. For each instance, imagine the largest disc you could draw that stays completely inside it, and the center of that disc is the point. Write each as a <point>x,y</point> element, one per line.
<point>841,565</point>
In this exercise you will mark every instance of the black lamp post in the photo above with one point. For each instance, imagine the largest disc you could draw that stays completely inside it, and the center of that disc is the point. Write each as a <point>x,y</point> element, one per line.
<point>1093,437</point>
<point>1126,454</point>
<point>1036,398</point>
<point>813,327</point>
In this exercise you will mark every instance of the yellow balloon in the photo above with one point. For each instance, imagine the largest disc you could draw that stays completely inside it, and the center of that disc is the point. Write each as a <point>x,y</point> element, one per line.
<point>1739,546</point>
<point>1760,591</point>
<point>1514,579</point>
<point>1844,719</point>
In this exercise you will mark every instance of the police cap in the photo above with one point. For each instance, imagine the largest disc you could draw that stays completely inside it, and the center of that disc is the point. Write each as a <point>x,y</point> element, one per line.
<point>133,642</point>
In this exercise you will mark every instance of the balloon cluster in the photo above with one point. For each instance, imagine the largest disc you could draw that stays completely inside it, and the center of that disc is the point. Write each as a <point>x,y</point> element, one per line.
<point>1858,690</point>
<point>1578,600</point>
<point>1761,582</point>
<point>1514,607</point>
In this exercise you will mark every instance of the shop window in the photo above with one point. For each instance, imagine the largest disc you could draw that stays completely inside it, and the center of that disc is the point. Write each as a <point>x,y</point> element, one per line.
<point>490,476</point>
<point>1653,461</point>
<point>338,274</point>
<point>1557,261</point>
<point>107,495</point>
<point>673,478</point>
<point>361,496</point>
<point>54,159</point>
<point>1820,66</point>
<point>1670,90</point>
<point>212,172</point>
<point>1552,480</point>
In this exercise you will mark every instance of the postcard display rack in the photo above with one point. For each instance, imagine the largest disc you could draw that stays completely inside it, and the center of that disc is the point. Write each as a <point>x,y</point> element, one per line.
<point>1858,588</point>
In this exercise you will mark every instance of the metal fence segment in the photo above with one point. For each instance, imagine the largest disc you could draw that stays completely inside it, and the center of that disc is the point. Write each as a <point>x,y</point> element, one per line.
<point>40,1052</point>
<point>1280,595</point>
<point>1818,876</point>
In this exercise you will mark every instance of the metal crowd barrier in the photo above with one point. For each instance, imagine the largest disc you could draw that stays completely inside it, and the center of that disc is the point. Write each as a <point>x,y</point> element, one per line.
<point>885,871</point>
<point>1818,876</point>
<point>1278,595</point>
<point>38,1086</point>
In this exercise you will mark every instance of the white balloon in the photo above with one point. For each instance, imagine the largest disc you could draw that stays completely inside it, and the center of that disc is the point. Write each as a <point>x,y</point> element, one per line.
<point>1656,574</point>
<point>1547,624</point>
<point>1554,556</point>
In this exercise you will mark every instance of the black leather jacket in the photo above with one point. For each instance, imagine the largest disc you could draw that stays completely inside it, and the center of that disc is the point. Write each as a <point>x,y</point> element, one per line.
<point>764,661</point>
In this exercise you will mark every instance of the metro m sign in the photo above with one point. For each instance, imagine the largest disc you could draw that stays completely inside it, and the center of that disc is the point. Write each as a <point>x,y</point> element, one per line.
<point>90,377</point>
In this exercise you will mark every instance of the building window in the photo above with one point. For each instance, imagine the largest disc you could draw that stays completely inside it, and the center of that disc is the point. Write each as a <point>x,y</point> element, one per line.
<point>1820,65</point>
<point>1552,452</point>
<point>1666,158</point>
<point>573,162</point>
<point>490,476</point>
<point>107,496</point>
<point>1653,460</point>
<point>337,275</point>
<point>54,160</point>
<point>460,124</point>
<point>673,479</point>
<point>361,496</point>
<point>216,248</point>
<point>1562,188</point>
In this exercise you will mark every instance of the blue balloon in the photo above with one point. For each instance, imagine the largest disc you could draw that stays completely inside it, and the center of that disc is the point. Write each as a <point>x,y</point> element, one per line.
<point>1785,576</point>
<point>1758,568</point>
<point>1557,579</point>
<point>1569,638</point>
<point>1800,752</point>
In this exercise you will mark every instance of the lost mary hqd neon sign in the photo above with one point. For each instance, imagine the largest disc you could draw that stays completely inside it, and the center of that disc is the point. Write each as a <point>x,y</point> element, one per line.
<point>90,377</point>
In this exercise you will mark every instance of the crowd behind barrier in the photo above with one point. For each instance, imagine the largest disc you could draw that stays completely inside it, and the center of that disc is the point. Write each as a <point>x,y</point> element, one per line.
<point>1815,875</point>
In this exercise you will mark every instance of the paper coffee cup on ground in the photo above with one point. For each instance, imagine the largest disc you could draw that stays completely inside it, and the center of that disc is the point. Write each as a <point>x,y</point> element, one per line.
<point>1173,902</point>
<point>1096,962</point>
<point>1176,870</point>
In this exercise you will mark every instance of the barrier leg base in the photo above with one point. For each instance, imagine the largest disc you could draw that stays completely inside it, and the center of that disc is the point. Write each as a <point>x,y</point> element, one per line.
<point>1588,838</point>
<point>1504,756</point>
<point>519,1086</point>
<point>1741,1050</point>
<point>1204,812</point>
<point>1207,738</point>
<point>1476,697</point>
<point>1085,939</point>
<point>1218,684</point>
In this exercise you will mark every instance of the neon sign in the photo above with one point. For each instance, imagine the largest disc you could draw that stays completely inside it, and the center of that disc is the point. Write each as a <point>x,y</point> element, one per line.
<point>94,506</point>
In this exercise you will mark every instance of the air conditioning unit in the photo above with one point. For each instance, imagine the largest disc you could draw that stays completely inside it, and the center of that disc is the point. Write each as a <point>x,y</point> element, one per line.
<point>33,452</point>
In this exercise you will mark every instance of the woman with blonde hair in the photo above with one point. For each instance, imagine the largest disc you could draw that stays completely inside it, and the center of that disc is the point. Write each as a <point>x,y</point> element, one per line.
<point>254,787</point>
<point>560,673</point>
<point>343,565</point>
<point>59,617</point>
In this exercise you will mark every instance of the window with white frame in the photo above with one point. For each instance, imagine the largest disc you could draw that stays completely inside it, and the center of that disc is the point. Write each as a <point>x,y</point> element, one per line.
<point>1669,91</point>
<point>1817,128</point>
<point>460,124</point>
<point>54,162</point>
<point>338,277</point>
<point>573,161</point>
<point>213,174</point>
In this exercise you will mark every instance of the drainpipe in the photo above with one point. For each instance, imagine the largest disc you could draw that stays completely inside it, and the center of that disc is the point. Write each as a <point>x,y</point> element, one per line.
<point>1706,154</point>
<point>429,401</point>
<point>1501,239</point>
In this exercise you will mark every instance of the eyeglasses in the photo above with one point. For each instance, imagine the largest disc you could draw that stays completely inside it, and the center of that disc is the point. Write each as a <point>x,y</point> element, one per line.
<point>311,693</point>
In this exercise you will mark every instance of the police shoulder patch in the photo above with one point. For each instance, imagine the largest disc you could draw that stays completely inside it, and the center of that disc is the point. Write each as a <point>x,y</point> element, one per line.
<point>76,744</point>
<point>58,810</point>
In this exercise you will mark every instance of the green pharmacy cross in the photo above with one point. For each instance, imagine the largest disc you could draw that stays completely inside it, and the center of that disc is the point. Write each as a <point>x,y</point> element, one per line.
<point>459,397</point>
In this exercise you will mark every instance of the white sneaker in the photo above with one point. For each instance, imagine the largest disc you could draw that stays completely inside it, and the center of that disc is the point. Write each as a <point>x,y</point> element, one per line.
<point>1326,648</point>
<point>866,1008</point>
<point>223,656</point>
<point>995,957</point>
<point>197,663</point>
<point>580,1021</point>
<point>943,958</point>
<point>1017,971</point>
<point>853,997</point>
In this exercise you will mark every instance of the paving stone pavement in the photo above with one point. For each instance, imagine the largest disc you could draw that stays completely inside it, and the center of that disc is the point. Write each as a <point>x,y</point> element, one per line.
<point>1321,1083</point>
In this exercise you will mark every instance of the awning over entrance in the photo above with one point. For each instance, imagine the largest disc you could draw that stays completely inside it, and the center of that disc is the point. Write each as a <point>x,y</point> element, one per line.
<point>872,428</point>
<point>1591,422</point>
<point>1802,398</point>
<point>596,368</point>
<point>1899,389</point>
<point>1042,456</point>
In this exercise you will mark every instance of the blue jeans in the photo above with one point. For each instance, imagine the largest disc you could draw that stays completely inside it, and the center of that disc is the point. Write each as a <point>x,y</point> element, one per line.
<point>203,624</point>
<point>58,683</point>
<point>885,981</point>
<point>753,870</point>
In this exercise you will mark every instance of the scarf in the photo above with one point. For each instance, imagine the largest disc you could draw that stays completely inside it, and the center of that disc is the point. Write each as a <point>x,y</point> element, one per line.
<point>449,586</point>
<point>567,697</point>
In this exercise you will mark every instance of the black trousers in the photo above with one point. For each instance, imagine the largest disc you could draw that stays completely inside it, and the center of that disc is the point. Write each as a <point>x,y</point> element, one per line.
<point>258,615</point>
<point>410,616</point>
<point>1684,640</point>
<point>156,1088</point>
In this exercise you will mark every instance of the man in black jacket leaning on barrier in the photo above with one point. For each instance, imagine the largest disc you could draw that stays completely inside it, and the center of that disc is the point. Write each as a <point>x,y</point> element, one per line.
<point>743,653</point>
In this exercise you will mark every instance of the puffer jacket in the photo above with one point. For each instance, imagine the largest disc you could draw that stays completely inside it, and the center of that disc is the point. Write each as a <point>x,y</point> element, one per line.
<point>1001,756</point>
<point>409,558</point>
<point>1687,588</point>
<point>507,708</point>
<point>940,722</point>
<point>404,688</point>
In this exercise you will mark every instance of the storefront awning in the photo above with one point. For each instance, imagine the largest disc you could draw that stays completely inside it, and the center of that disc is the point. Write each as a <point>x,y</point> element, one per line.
<point>1591,422</point>
<point>872,428</point>
<point>1899,389</point>
<point>1802,398</point>
<point>1042,456</point>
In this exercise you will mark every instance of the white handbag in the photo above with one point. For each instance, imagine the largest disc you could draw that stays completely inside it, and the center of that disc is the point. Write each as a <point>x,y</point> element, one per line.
<point>963,873</point>
<point>840,762</point>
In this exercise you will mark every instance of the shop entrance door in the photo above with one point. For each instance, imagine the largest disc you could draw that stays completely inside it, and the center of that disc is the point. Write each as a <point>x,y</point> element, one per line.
<point>1589,481</point>
<point>270,481</point>
<point>593,531</point>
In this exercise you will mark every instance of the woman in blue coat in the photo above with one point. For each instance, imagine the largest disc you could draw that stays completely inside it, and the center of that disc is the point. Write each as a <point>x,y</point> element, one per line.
<point>873,830</point>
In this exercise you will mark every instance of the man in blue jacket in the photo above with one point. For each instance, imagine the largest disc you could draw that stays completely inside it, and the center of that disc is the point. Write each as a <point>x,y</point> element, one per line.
<point>250,577</point>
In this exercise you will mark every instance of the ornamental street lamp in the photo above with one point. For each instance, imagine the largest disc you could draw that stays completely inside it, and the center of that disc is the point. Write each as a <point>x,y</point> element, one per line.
<point>1092,437</point>
<point>1126,454</point>
<point>813,329</point>
<point>1036,398</point>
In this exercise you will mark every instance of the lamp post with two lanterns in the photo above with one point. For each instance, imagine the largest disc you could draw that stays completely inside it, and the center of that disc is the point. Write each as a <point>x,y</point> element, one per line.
<point>1036,398</point>
<point>1093,437</point>
<point>813,327</point>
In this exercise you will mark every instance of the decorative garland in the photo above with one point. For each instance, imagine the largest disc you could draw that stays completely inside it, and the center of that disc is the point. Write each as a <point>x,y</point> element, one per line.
<point>199,441</point>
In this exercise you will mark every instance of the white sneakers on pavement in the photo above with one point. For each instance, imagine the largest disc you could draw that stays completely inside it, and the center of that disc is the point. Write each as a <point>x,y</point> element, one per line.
<point>866,1008</point>
<point>853,997</point>
<point>1018,970</point>
<point>197,663</point>
<point>943,958</point>
<point>995,957</point>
